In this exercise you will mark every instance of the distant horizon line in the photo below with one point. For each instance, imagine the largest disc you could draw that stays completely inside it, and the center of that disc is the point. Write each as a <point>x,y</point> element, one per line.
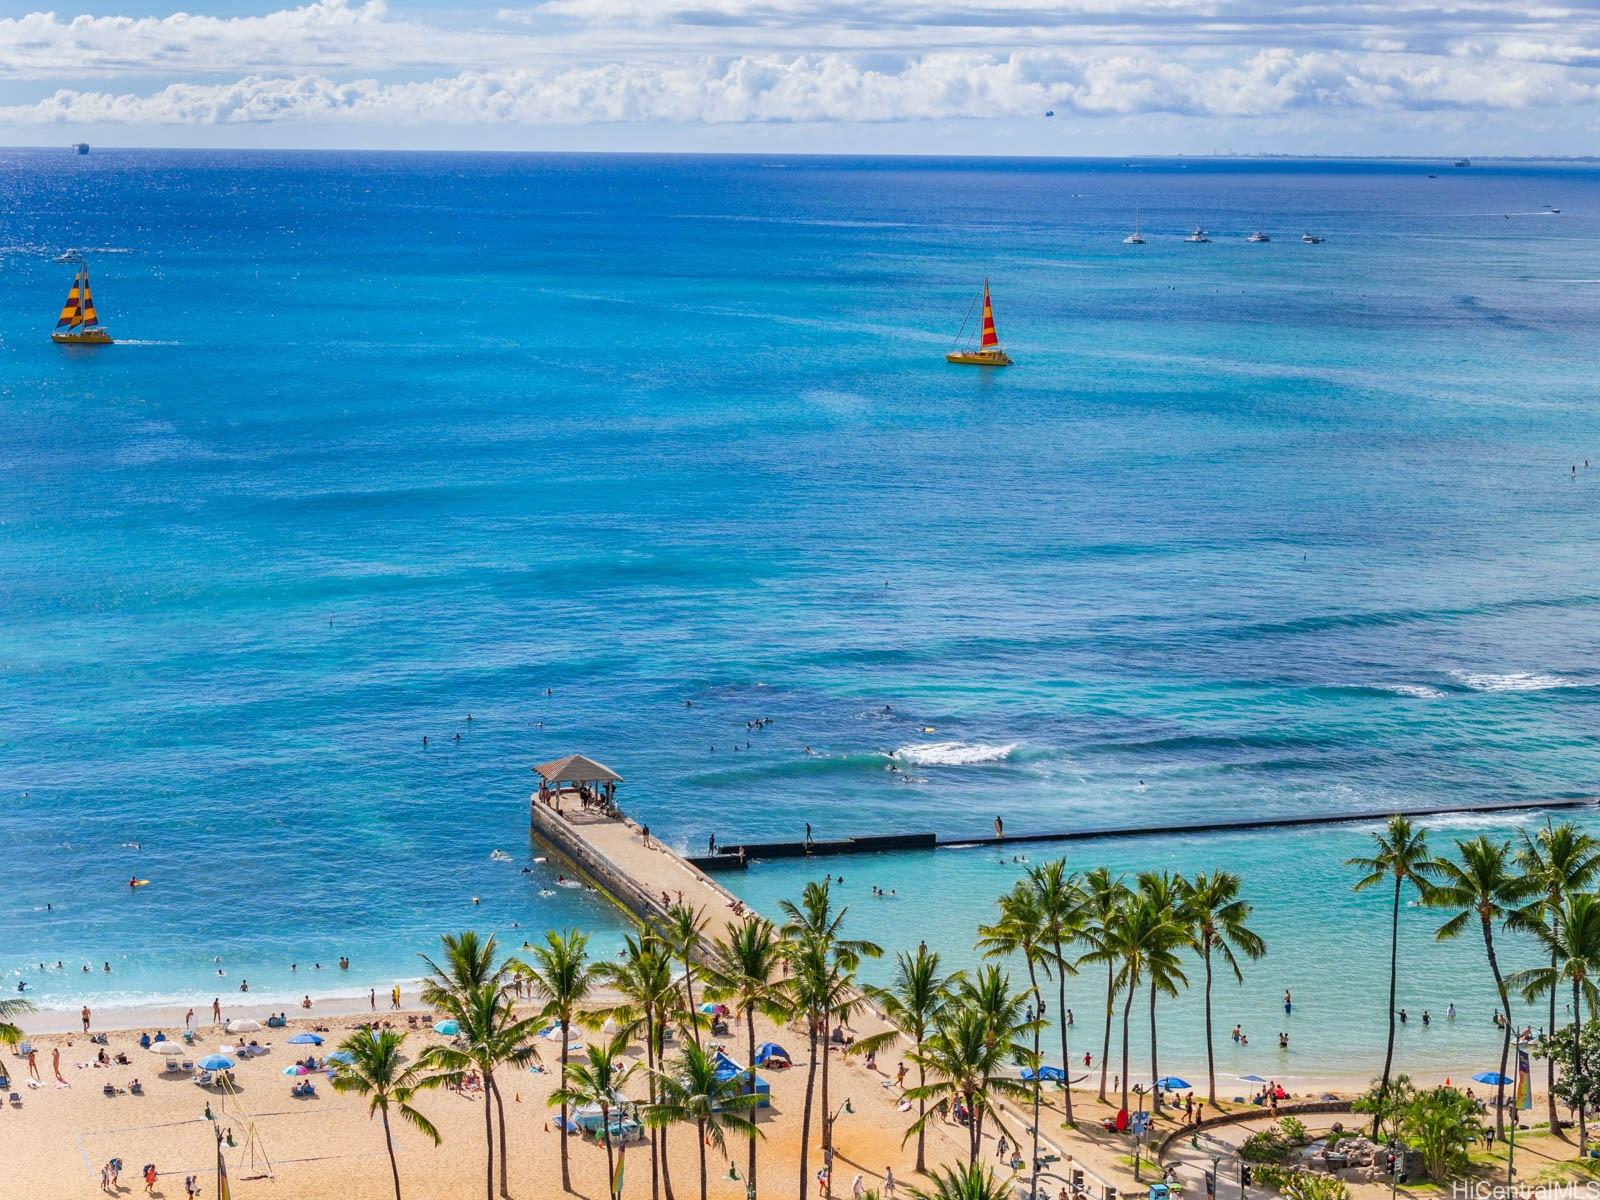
<point>811,154</point>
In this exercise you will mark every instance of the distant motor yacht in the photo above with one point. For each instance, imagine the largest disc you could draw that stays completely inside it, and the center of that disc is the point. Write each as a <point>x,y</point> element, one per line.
<point>1258,236</point>
<point>1310,239</point>
<point>1199,235</point>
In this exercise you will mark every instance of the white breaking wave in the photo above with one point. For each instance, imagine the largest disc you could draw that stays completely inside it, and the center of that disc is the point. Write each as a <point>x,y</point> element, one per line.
<point>954,754</point>
<point>1515,681</point>
<point>1420,690</point>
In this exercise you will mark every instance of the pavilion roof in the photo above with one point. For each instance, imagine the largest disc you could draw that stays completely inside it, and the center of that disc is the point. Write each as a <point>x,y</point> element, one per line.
<point>577,768</point>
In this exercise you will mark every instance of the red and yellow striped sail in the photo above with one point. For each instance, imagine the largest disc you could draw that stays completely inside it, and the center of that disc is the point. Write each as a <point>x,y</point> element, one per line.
<point>72,311</point>
<point>990,338</point>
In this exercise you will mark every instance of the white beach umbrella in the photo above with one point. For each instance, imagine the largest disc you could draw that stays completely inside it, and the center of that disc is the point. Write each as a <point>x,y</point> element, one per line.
<point>244,1026</point>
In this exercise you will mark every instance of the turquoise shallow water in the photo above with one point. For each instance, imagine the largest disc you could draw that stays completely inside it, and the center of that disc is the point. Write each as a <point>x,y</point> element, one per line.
<point>394,438</point>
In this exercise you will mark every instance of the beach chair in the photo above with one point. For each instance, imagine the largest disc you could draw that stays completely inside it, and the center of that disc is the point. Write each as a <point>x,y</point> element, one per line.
<point>203,1079</point>
<point>108,1090</point>
<point>187,1066</point>
<point>172,1066</point>
<point>16,1100</point>
<point>24,1049</point>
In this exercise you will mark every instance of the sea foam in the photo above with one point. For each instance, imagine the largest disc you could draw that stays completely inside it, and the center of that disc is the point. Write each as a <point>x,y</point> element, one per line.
<point>1514,681</point>
<point>954,754</point>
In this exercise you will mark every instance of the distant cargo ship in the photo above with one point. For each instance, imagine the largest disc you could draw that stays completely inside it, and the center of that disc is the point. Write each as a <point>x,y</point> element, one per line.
<point>81,147</point>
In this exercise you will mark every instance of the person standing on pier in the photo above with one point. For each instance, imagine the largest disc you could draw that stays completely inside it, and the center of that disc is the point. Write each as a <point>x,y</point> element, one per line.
<point>999,827</point>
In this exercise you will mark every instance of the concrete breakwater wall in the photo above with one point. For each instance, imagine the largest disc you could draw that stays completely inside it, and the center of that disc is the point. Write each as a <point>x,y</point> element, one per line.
<point>738,855</point>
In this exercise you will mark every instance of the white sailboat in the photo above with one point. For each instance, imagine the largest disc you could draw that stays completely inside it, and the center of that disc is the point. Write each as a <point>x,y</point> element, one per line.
<point>1136,238</point>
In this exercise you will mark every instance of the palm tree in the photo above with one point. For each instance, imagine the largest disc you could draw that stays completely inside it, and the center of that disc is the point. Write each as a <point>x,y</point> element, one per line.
<point>1216,917</point>
<point>1483,884</point>
<point>911,1003</point>
<point>1573,940</point>
<point>1136,939</point>
<point>470,969</point>
<point>1103,897</point>
<point>10,1034</point>
<point>695,1091</point>
<point>684,929</point>
<point>968,1064</point>
<point>743,968</point>
<point>1061,910</point>
<point>650,996</point>
<point>562,977</point>
<point>1020,930</point>
<point>491,1035</point>
<point>1562,861</point>
<point>1164,893</point>
<point>808,992</point>
<point>964,1183</point>
<point>377,1070</point>
<point>815,929</point>
<point>469,963</point>
<point>597,1081</point>
<point>1400,852</point>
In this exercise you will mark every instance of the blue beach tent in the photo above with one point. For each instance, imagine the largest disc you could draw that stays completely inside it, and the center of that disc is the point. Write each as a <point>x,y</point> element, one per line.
<point>1046,1075</point>
<point>773,1054</point>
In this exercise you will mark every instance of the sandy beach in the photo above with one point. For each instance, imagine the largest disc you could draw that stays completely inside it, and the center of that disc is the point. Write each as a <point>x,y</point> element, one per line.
<point>59,1137</point>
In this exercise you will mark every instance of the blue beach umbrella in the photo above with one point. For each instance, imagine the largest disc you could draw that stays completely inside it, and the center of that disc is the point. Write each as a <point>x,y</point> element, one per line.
<point>216,1062</point>
<point>305,1039</point>
<point>447,1028</point>
<point>1171,1083</point>
<point>341,1056</point>
<point>1490,1077</point>
<point>1252,1079</point>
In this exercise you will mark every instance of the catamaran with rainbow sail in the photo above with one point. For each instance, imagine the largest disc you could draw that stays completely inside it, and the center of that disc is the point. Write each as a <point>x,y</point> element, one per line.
<point>78,325</point>
<point>988,352</point>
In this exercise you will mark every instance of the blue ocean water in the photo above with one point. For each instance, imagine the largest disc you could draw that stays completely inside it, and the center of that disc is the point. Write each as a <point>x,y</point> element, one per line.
<point>391,439</point>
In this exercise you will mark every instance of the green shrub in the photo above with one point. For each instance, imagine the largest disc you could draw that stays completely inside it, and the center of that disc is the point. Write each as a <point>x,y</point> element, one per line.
<point>1293,1130</point>
<point>1268,1146</point>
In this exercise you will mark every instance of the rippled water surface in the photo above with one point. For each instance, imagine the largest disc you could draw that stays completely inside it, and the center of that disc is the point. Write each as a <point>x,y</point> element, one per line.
<point>567,442</point>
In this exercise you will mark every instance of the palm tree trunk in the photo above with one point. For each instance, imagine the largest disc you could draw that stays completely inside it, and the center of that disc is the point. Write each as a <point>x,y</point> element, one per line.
<point>500,1113</point>
<point>1505,1046</point>
<point>974,1131</point>
<point>1577,1067</point>
<point>700,1127</point>
<point>1394,968</point>
<point>922,1110</point>
<point>1061,1020</point>
<point>827,1113</point>
<point>805,1113</point>
<point>650,1070</point>
<point>566,1172</point>
<point>1550,1059</point>
<point>611,1164</point>
<point>750,1029</point>
<point>1105,1046</point>
<point>666,1160</point>
<point>388,1144</point>
<point>1038,1065</point>
<point>1127,1013</point>
<point>1155,1092</point>
<point>1211,1054</point>
<point>688,987</point>
<point>488,1136</point>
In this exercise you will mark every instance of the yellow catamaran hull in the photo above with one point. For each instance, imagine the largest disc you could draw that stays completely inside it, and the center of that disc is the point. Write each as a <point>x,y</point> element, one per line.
<point>980,358</point>
<point>93,337</point>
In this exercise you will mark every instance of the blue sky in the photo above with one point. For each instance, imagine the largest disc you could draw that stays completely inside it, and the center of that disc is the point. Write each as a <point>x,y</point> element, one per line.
<point>926,76</point>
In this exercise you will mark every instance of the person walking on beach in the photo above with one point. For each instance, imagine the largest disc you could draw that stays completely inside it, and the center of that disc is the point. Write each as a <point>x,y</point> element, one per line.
<point>216,1010</point>
<point>887,1191</point>
<point>372,998</point>
<point>188,1021</point>
<point>85,1015</point>
<point>33,1064</point>
<point>150,1178</point>
<point>394,997</point>
<point>55,1065</point>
